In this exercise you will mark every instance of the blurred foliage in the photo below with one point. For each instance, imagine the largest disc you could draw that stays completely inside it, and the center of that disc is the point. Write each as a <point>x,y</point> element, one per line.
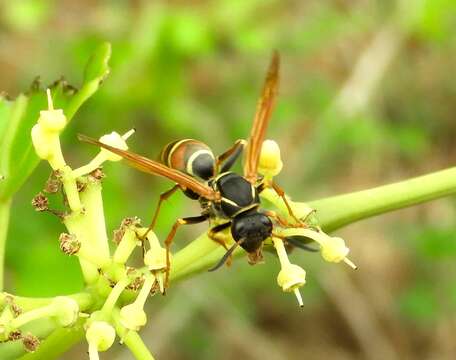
<point>194,70</point>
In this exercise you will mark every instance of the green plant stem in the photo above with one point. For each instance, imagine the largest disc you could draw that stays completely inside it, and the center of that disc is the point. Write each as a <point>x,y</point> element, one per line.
<point>338,211</point>
<point>5,207</point>
<point>137,346</point>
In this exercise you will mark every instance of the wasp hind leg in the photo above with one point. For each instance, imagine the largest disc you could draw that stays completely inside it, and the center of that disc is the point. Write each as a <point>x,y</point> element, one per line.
<point>169,239</point>
<point>163,197</point>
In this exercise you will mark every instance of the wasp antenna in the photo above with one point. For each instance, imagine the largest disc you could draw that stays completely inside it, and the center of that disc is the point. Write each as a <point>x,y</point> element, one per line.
<point>294,240</point>
<point>86,139</point>
<point>49,98</point>
<point>226,256</point>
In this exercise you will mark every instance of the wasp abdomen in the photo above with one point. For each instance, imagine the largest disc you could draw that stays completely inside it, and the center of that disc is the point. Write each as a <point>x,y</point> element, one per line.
<point>191,157</point>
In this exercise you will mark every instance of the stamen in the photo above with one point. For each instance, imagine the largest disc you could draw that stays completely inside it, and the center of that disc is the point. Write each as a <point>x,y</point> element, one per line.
<point>350,263</point>
<point>299,297</point>
<point>49,98</point>
<point>128,134</point>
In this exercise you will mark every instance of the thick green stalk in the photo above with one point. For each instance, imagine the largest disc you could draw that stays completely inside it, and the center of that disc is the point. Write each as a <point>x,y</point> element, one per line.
<point>5,206</point>
<point>338,211</point>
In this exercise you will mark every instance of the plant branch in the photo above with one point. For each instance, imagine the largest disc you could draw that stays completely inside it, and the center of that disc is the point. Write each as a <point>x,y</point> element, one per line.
<point>338,211</point>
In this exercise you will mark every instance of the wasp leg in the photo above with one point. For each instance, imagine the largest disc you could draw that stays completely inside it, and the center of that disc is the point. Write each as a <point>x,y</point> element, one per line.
<point>280,220</point>
<point>281,194</point>
<point>163,197</point>
<point>213,236</point>
<point>260,187</point>
<point>230,156</point>
<point>216,229</point>
<point>172,233</point>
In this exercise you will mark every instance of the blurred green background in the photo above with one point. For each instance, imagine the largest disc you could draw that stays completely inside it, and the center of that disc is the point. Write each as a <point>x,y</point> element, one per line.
<point>367,97</point>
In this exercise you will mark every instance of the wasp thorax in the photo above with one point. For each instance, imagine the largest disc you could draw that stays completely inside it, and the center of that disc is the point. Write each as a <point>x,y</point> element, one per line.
<point>252,230</point>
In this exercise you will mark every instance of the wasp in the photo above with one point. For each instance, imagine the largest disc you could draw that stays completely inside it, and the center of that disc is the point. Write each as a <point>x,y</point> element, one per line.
<point>223,194</point>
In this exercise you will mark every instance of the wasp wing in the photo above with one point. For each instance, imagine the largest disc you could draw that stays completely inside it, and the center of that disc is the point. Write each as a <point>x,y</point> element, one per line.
<point>153,167</point>
<point>261,120</point>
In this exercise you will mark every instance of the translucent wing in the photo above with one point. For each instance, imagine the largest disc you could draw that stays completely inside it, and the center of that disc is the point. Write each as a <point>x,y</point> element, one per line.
<point>261,120</point>
<point>153,167</point>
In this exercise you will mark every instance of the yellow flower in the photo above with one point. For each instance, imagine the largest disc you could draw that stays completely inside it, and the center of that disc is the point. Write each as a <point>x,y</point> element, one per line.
<point>133,317</point>
<point>45,135</point>
<point>100,335</point>
<point>291,277</point>
<point>270,163</point>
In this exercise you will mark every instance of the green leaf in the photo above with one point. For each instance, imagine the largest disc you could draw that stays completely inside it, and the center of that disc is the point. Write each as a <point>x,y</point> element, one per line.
<point>17,117</point>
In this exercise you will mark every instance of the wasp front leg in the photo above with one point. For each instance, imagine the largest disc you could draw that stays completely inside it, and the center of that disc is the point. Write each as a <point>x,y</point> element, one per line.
<point>215,234</point>
<point>281,193</point>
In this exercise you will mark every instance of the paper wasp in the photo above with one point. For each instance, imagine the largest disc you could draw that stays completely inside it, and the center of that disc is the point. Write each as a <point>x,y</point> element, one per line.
<point>223,195</point>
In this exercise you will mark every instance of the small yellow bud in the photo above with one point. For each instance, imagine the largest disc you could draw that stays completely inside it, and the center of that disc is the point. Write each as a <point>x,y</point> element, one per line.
<point>115,140</point>
<point>270,163</point>
<point>334,249</point>
<point>133,317</point>
<point>52,120</point>
<point>45,135</point>
<point>67,310</point>
<point>155,257</point>
<point>101,335</point>
<point>291,278</point>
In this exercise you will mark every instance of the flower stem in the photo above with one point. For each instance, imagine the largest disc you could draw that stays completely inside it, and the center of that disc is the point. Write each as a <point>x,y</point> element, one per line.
<point>114,296</point>
<point>338,211</point>
<point>137,346</point>
<point>5,206</point>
